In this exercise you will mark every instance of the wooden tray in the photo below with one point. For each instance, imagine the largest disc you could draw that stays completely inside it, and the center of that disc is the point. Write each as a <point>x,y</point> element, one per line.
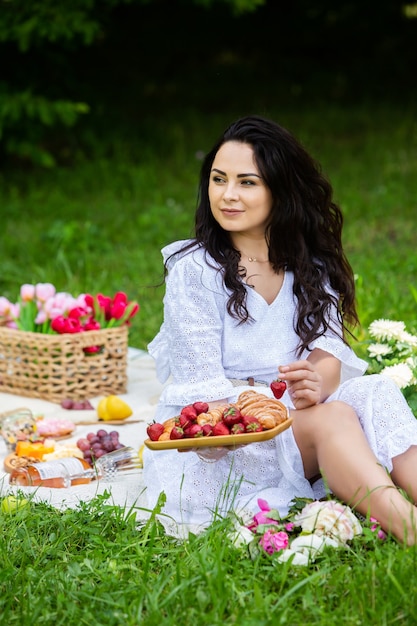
<point>9,465</point>
<point>218,440</point>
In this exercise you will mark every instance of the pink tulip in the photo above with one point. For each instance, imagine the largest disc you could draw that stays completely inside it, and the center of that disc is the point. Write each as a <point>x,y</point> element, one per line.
<point>92,324</point>
<point>41,317</point>
<point>44,291</point>
<point>77,312</point>
<point>135,309</point>
<point>27,292</point>
<point>61,324</point>
<point>92,349</point>
<point>5,307</point>
<point>117,310</point>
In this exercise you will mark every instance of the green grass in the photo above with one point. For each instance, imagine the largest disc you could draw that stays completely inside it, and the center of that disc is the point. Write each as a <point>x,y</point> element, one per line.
<point>97,565</point>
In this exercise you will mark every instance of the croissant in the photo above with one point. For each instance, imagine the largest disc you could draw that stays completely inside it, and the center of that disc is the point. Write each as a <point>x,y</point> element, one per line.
<point>213,416</point>
<point>269,411</point>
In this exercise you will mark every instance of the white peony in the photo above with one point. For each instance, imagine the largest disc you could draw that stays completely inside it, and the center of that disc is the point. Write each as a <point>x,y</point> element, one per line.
<point>312,544</point>
<point>401,374</point>
<point>329,518</point>
<point>299,558</point>
<point>241,536</point>
<point>386,330</point>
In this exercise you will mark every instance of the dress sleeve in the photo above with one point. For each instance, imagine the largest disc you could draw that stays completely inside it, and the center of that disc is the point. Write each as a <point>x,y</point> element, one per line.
<point>352,365</point>
<point>331,342</point>
<point>189,346</point>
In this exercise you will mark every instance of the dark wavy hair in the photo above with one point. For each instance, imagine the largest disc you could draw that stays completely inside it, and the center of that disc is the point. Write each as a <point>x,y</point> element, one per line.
<point>304,233</point>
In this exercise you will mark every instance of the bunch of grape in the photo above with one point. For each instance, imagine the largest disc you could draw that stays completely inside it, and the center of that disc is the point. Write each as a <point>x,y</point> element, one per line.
<point>95,445</point>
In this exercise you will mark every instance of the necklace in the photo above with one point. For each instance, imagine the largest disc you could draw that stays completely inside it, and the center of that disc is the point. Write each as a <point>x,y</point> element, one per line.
<point>254,259</point>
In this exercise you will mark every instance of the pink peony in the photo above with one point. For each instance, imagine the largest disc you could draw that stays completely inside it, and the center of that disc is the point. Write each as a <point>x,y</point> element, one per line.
<point>274,542</point>
<point>262,517</point>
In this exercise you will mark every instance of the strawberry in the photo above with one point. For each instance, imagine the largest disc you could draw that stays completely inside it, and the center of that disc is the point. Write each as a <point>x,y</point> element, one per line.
<point>237,429</point>
<point>253,427</point>
<point>154,431</point>
<point>278,387</point>
<point>220,429</point>
<point>251,424</point>
<point>189,411</point>
<point>201,407</point>
<point>176,433</point>
<point>231,416</point>
<point>184,421</point>
<point>195,430</point>
<point>207,430</point>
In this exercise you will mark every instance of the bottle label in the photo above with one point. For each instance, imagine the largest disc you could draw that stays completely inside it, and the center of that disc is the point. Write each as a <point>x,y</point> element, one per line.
<point>70,466</point>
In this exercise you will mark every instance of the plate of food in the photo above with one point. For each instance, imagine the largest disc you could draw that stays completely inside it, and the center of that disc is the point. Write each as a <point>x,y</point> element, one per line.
<point>254,417</point>
<point>54,428</point>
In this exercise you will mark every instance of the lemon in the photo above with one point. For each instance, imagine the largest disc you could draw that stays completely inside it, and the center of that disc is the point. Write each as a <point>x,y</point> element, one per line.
<point>140,454</point>
<point>11,504</point>
<point>102,409</point>
<point>113,408</point>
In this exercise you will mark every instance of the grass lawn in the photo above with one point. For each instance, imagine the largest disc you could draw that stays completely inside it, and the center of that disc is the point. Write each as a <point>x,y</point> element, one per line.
<point>98,226</point>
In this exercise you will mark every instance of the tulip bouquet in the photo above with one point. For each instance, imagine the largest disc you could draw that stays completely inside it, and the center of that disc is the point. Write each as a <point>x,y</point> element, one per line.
<point>310,527</point>
<point>40,308</point>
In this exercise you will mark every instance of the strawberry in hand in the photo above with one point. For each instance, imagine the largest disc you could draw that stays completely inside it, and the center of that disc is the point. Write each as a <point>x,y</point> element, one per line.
<point>278,388</point>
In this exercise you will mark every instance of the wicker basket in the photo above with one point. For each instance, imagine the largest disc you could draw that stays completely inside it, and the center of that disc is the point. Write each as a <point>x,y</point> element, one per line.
<point>55,367</point>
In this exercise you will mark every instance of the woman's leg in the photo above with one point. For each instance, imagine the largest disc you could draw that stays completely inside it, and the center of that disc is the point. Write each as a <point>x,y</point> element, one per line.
<point>404,472</point>
<point>332,442</point>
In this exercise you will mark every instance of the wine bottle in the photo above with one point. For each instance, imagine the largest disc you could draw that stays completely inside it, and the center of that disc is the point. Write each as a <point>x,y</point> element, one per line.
<point>59,473</point>
<point>65,472</point>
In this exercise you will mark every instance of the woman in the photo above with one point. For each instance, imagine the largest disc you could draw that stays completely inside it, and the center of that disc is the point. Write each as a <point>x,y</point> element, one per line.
<point>265,290</point>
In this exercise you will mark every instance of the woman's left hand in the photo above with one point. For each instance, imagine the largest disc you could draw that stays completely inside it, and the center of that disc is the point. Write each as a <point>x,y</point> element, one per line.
<point>304,383</point>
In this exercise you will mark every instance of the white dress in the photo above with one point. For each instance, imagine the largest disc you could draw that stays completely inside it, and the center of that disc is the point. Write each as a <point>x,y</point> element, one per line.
<point>200,347</point>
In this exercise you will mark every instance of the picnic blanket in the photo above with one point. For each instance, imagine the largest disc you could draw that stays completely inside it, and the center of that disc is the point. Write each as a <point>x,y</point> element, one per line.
<point>126,490</point>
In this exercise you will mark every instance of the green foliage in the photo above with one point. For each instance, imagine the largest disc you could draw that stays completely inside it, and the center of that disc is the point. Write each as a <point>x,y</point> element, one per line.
<point>23,115</point>
<point>238,6</point>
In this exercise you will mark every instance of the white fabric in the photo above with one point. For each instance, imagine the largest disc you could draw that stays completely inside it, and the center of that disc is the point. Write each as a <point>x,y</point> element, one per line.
<point>200,347</point>
<point>128,490</point>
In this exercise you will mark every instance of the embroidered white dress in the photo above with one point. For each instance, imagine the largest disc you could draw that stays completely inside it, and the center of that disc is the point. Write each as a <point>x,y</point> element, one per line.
<point>200,347</point>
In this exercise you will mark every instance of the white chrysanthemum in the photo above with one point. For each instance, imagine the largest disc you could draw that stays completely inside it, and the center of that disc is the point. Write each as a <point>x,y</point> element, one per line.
<point>386,329</point>
<point>376,350</point>
<point>401,374</point>
<point>410,339</point>
<point>329,518</point>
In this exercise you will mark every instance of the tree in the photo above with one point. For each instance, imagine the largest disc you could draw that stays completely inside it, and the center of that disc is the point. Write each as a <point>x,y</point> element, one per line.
<point>38,92</point>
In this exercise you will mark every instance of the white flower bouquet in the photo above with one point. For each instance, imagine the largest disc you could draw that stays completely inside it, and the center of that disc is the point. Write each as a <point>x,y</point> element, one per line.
<point>393,353</point>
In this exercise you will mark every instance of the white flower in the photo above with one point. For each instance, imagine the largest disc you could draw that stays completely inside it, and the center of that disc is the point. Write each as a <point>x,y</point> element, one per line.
<point>401,374</point>
<point>299,558</point>
<point>407,338</point>
<point>241,536</point>
<point>329,518</point>
<point>312,544</point>
<point>378,349</point>
<point>386,330</point>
